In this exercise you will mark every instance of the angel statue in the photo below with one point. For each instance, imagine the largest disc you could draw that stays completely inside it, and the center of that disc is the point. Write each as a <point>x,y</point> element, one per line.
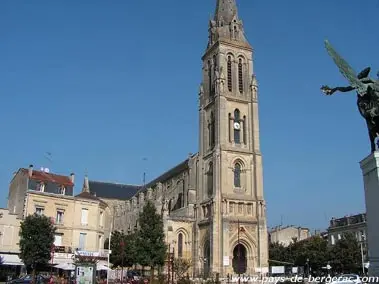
<point>367,90</point>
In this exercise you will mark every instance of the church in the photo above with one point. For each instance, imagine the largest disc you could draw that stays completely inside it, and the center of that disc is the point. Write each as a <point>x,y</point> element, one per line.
<point>212,203</point>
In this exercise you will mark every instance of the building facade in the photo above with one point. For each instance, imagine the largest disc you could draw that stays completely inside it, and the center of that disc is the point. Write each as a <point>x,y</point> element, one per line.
<point>353,224</point>
<point>9,240</point>
<point>79,220</point>
<point>289,234</point>
<point>212,203</point>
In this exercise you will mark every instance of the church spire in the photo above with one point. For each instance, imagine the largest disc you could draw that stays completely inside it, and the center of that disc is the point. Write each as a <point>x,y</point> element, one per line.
<point>226,10</point>
<point>226,24</point>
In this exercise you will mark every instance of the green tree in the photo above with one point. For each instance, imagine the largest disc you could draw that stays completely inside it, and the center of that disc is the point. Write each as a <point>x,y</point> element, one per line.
<point>278,252</point>
<point>314,249</point>
<point>346,255</point>
<point>150,244</point>
<point>36,241</point>
<point>123,249</point>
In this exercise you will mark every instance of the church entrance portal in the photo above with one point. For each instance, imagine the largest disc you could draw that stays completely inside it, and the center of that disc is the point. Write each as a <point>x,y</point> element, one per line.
<point>207,260</point>
<point>239,259</point>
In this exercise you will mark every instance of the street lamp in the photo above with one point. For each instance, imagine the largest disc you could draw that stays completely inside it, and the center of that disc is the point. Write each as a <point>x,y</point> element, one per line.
<point>52,262</point>
<point>122,260</point>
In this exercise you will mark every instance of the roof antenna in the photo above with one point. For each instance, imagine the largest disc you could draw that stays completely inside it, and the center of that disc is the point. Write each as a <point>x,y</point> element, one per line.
<point>144,174</point>
<point>48,156</point>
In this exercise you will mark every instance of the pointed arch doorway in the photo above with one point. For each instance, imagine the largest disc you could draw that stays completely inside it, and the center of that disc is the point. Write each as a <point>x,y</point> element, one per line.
<point>239,261</point>
<point>207,260</point>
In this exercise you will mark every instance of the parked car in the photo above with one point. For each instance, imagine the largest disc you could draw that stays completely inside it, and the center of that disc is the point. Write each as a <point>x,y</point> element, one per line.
<point>27,279</point>
<point>132,274</point>
<point>347,279</point>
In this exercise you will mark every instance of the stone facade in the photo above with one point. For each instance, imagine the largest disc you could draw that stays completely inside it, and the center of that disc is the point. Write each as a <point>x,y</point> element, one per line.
<point>9,229</point>
<point>204,199</point>
<point>289,234</point>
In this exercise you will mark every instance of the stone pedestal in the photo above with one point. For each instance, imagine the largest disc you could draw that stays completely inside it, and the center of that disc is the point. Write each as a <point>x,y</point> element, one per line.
<point>370,171</point>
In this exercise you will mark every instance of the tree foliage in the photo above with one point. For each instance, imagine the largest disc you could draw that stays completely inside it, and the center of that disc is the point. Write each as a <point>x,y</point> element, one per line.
<point>344,256</point>
<point>36,241</point>
<point>278,252</point>
<point>150,244</point>
<point>123,249</point>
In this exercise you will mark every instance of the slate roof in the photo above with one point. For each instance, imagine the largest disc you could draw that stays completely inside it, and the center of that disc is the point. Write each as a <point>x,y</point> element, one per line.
<point>113,190</point>
<point>167,175</point>
<point>127,191</point>
<point>90,196</point>
<point>49,177</point>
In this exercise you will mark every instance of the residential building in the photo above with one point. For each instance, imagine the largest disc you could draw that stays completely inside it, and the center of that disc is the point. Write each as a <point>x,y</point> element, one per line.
<point>9,246</point>
<point>288,234</point>
<point>79,219</point>
<point>353,224</point>
<point>212,203</point>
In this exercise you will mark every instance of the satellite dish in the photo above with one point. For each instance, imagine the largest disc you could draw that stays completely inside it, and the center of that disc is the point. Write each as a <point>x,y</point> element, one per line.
<point>42,169</point>
<point>47,170</point>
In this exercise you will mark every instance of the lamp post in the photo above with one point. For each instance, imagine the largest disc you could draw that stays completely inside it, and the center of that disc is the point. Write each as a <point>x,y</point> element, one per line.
<point>362,254</point>
<point>168,263</point>
<point>52,262</point>
<point>239,253</point>
<point>109,251</point>
<point>172,264</point>
<point>122,260</point>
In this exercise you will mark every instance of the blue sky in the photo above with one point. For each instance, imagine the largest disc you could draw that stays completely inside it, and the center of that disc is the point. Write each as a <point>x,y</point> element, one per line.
<point>104,84</point>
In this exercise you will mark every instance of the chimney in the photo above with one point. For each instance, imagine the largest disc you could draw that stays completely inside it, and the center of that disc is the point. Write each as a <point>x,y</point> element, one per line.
<point>30,171</point>
<point>72,177</point>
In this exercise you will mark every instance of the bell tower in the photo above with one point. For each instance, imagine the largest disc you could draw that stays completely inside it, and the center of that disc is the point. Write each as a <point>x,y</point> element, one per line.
<point>230,195</point>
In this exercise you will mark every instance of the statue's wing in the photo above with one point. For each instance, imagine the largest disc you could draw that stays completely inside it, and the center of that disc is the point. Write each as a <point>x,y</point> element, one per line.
<point>345,69</point>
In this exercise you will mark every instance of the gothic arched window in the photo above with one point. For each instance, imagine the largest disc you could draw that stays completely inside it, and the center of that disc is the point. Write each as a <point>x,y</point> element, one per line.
<point>212,130</point>
<point>237,175</point>
<point>210,179</point>
<point>229,69</point>
<point>180,245</point>
<point>240,76</point>
<point>237,127</point>
<point>214,62</point>
<point>210,77</point>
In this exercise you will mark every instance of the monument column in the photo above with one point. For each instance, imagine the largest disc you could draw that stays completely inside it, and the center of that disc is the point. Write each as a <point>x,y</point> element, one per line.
<point>370,171</point>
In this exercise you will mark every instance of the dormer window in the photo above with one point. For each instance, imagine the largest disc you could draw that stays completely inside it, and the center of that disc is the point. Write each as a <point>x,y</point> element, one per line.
<point>62,190</point>
<point>40,187</point>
